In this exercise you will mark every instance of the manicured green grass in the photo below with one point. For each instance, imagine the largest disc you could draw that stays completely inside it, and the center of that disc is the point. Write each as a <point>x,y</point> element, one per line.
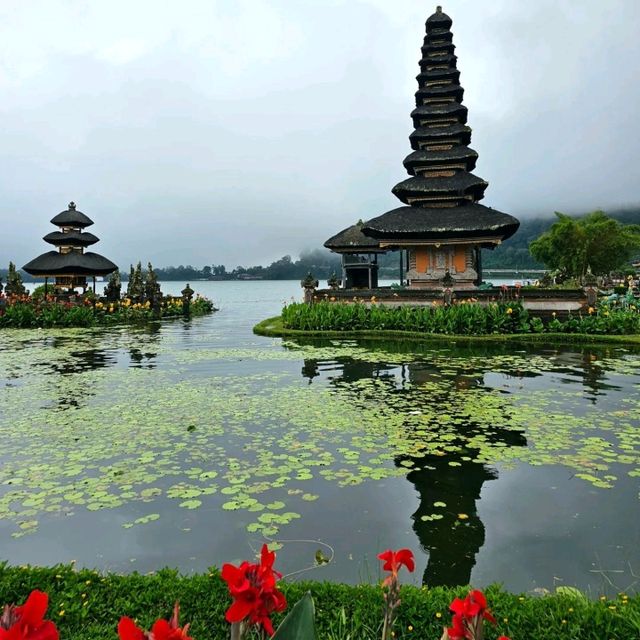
<point>274,328</point>
<point>342,611</point>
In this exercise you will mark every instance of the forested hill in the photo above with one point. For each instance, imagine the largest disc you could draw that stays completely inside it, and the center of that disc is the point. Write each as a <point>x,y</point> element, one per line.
<point>514,252</point>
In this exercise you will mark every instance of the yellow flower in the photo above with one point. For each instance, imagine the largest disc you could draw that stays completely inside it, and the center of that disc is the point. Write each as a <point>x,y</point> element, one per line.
<point>438,615</point>
<point>463,516</point>
<point>509,310</point>
<point>61,613</point>
<point>591,310</point>
<point>410,627</point>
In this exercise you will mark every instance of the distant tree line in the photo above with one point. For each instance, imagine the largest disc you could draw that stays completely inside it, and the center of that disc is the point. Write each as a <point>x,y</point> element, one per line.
<point>514,253</point>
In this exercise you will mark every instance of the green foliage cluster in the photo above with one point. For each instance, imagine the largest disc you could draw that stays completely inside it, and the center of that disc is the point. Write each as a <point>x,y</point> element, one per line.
<point>30,313</point>
<point>86,605</point>
<point>573,245</point>
<point>458,319</point>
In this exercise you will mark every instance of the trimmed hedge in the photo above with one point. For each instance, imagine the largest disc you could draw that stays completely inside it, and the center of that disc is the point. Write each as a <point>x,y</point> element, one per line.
<point>464,318</point>
<point>274,328</point>
<point>86,605</point>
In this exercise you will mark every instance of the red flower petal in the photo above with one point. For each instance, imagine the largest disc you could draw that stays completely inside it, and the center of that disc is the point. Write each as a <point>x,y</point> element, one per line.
<point>128,630</point>
<point>405,557</point>
<point>46,631</point>
<point>239,610</point>
<point>33,610</point>
<point>478,597</point>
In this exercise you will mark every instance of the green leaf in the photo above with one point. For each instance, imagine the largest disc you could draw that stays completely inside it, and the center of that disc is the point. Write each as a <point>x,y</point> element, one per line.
<point>299,623</point>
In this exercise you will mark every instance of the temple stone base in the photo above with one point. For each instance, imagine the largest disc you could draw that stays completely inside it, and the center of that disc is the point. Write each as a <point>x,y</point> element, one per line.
<point>433,280</point>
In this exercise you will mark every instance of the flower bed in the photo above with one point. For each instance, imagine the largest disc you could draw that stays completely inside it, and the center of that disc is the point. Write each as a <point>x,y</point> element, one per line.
<point>86,605</point>
<point>24,312</point>
<point>458,319</point>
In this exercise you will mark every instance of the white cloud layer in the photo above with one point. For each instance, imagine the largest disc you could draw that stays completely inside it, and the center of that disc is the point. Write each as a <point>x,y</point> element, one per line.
<point>234,131</point>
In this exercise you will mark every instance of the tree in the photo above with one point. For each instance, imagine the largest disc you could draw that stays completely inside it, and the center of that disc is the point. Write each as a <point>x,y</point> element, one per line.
<point>206,272</point>
<point>596,241</point>
<point>14,286</point>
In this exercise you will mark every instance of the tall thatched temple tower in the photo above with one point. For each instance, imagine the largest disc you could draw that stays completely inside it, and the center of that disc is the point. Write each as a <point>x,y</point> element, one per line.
<point>442,228</point>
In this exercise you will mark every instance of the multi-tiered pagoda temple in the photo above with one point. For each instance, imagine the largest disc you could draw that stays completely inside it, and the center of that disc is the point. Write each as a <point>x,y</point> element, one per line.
<point>70,265</point>
<point>442,228</point>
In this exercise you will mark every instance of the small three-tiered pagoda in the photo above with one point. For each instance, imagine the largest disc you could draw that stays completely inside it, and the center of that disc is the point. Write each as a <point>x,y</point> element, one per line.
<point>70,265</point>
<point>442,228</point>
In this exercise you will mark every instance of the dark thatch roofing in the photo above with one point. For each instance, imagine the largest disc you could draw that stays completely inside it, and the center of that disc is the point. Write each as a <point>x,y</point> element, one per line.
<point>450,73</point>
<point>435,134</point>
<point>443,47</point>
<point>461,184</point>
<point>71,239</point>
<point>443,58</point>
<point>438,36</point>
<point>426,158</point>
<point>352,240</point>
<point>71,218</point>
<point>440,91</point>
<point>53,263</point>
<point>435,111</point>
<point>439,20</point>
<point>468,221</point>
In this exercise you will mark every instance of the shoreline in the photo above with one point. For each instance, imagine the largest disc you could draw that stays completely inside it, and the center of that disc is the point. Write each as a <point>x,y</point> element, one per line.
<point>273,328</point>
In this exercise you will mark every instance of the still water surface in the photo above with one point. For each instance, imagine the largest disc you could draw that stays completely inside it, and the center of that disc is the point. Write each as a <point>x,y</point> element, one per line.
<point>188,443</point>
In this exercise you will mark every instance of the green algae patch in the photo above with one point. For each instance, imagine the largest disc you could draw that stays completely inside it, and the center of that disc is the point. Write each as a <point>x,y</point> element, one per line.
<point>82,433</point>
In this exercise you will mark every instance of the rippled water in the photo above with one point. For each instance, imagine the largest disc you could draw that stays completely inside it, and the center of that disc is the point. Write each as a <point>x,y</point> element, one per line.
<point>188,443</point>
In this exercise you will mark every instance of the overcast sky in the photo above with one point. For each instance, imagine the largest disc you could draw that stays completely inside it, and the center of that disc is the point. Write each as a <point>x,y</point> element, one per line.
<point>236,131</point>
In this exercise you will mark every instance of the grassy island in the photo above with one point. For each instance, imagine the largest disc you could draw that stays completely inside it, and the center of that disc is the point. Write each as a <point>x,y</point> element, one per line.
<point>500,321</point>
<point>86,605</point>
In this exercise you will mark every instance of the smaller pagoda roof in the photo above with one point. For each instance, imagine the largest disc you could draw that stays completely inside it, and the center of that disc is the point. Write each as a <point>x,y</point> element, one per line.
<point>71,239</point>
<point>468,221</point>
<point>436,58</point>
<point>352,240</point>
<point>438,74</point>
<point>441,91</point>
<point>71,218</point>
<point>442,47</point>
<point>440,133</point>
<point>439,20</point>
<point>461,183</point>
<point>452,109</point>
<point>425,158</point>
<point>53,263</point>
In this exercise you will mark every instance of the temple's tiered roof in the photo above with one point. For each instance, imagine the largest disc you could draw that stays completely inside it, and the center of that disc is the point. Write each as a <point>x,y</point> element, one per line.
<point>70,259</point>
<point>441,191</point>
<point>352,240</point>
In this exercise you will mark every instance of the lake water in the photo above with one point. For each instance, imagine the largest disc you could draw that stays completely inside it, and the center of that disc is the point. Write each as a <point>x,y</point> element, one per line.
<point>189,443</point>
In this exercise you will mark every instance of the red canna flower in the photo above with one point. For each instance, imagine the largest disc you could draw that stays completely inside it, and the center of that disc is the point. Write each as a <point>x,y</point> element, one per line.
<point>254,592</point>
<point>469,616</point>
<point>393,561</point>
<point>128,630</point>
<point>161,630</point>
<point>27,622</point>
